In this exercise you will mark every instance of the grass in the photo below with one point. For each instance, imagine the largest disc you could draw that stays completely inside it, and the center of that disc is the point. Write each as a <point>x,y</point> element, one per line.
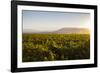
<point>53,47</point>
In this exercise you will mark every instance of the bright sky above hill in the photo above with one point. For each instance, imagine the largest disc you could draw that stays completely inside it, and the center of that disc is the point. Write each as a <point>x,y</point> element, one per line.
<point>49,21</point>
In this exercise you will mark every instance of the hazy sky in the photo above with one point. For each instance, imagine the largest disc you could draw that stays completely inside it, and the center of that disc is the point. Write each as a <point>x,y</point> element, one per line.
<point>49,21</point>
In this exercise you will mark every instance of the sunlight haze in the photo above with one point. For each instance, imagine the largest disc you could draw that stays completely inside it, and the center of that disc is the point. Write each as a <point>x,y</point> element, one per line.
<point>50,21</point>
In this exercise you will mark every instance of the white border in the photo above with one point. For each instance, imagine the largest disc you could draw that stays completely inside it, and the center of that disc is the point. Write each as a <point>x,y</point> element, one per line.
<point>53,63</point>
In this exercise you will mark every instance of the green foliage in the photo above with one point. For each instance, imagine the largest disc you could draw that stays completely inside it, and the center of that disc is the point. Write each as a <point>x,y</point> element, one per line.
<point>52,47</point>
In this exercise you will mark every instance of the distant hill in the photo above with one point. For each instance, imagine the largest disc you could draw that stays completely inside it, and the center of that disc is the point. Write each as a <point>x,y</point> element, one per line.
<point>72,30</point>
<point>62,31</point>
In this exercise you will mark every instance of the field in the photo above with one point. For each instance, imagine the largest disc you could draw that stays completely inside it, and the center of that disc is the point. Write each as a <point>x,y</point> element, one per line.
<point>54,47</point>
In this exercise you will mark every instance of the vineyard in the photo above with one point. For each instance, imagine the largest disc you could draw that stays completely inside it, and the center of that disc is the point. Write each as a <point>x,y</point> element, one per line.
<point>53,47</point>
